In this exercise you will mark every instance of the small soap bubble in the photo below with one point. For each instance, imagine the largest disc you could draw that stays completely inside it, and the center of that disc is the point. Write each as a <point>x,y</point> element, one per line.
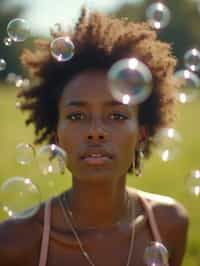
<point>3,64</point>
<point>130,81</point>
<point>20,198</point>
<point>167,142</point>
<point>189,86</point>
<point>18,30</point>
<point>18,81</point>
<point>7,41</point>
<point>192,59</point>
<point>158,15</point>
<point>11,78</point>
<point>193,182</point>
<point>25,153</point>
<point>156,254</point>
<point>51,159</point>
<point>62,49</point>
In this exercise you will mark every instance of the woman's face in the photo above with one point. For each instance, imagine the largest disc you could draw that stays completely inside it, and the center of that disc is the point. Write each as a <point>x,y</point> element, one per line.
<point>98,133</point>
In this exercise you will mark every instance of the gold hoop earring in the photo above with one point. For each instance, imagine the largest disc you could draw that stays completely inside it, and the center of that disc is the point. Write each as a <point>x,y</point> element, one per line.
<point>139,160</point>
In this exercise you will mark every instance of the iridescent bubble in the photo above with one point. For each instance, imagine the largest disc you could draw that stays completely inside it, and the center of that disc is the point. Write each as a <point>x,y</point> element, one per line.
<point>192,59</point>
<point>156,254</point>
<point>3,64</point>
<point>167,142</point>
<point>193,182</point>
<point>158,15</point>
<point>130,81</point>
<point>20,198</point>
<point>51,159</point>
<point>62,49</point>
<point>7,41</point>
<point>25,153</point>
<point>18,30</point>
<point>189,86</point>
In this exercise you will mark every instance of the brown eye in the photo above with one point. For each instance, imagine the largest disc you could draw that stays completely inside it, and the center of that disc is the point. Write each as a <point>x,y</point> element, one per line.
<point>118,116</point>
<point>75,116</point>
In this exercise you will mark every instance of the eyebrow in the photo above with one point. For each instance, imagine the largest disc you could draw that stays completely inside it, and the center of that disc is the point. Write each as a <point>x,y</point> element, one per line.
<point>84,103</point>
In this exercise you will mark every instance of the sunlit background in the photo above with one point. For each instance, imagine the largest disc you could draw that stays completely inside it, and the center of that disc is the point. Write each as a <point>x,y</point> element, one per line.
<point>174,168</point>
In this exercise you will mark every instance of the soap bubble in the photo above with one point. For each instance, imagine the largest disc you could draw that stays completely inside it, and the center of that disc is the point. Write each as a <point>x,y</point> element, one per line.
<point>193,182</point>
<point>62,49</point>
<point>192,59</point>
<point>18,81</point>
<point>7,41</point>
<point>25,153</point>
<point>11,78</point>
<point>18,29</point>
<point>167,142</point>
<point>190,86</point>
<point>158,15</point>
<point>51,159</point>
<point>20,198</point>
<point>3,64</point>
<point>130,81</point>
<point>156,254</point>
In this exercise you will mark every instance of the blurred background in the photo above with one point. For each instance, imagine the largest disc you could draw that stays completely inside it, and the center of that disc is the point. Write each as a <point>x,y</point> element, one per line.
<point>167,177</point>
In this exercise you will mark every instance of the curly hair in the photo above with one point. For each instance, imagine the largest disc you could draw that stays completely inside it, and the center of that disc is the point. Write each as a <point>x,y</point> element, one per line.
<point>99,41</point>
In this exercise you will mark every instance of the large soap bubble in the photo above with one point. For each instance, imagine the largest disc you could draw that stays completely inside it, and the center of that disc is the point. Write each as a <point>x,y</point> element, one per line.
<point>167,142</point>
<point>130,81</point>
<point>158,15</point>
<point>19,197</point>
<point>25,153</point>
<point>62,49</point>
<point>51,159</point>
<point>189,86</point>
<point>18,30</point>
<point>192,59</point>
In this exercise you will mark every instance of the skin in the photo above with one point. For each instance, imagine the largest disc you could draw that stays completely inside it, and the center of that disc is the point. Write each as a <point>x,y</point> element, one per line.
<point>98,194</point>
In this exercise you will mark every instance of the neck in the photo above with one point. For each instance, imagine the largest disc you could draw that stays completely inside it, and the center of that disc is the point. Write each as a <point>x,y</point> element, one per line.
<point>97,205</point>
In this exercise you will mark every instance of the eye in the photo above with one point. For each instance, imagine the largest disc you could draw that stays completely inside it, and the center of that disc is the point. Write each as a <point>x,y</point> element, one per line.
<point>75,116</point>
<point>118,116</point>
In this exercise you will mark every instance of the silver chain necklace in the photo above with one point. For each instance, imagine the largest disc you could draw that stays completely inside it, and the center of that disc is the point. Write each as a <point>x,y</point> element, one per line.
<point>66,213</point>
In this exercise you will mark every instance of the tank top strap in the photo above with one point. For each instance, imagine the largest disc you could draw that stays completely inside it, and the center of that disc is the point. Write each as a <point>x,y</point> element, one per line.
<point>151,218</point>
<point>45,235</point>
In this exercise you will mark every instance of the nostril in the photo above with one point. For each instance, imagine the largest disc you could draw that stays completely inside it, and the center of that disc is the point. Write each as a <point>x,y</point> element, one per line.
<point>100,137</point>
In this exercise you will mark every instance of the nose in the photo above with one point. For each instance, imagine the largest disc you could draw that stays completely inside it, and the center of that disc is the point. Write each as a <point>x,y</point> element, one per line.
<point>97,131</point>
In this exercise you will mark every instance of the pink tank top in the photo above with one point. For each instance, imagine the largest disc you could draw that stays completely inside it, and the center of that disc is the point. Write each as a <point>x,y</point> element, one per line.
<point>46,231</point>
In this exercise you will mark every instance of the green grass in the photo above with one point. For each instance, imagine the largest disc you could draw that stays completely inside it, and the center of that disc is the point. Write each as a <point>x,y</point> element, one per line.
<point>162,178</point>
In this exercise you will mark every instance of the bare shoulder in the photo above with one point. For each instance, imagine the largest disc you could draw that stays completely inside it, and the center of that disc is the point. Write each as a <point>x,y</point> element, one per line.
<point>169,213</point>
<point>166,209</point>
<point>172,220</point>
<point>20,240</point>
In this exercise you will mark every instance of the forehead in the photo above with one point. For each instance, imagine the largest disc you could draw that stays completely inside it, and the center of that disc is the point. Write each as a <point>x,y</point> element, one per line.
<point>91,86</point>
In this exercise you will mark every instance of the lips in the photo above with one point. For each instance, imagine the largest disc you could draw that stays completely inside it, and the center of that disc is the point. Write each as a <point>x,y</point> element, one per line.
<point>96,157</point>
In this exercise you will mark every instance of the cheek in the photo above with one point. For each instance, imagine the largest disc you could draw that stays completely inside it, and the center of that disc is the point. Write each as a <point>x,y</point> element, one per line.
<point>126,139</point>
<point>66,136</point>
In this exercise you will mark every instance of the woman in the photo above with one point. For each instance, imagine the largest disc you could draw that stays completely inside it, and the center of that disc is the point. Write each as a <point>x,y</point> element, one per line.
<point>98,221</point>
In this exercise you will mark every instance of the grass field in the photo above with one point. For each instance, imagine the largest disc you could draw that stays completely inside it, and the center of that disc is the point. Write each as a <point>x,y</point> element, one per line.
<point>162,178</point>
